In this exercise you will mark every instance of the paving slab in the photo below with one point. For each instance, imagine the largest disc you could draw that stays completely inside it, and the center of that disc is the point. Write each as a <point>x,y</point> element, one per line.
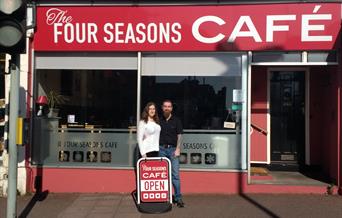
<point>77,205</point>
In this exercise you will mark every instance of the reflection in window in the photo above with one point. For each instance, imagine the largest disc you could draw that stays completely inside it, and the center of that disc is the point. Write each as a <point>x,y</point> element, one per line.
<point>202,102</point>
<point>101,98</point>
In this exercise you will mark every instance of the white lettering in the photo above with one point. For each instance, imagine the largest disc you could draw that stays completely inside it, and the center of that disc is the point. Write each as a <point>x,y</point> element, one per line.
<point>129,34</point>
<point>271,28</point>
<point>69,33</point>
<point>80,35</point>
<point>56,15</point>
<point>107,27</point>
<point>164,33</point>
<point>152,36</point>
<point>78,32</point>
<point>92,30</point>
<point>238,33</point>
<point>56,32</point>
<point>312,29</point>
<point>196,26</point>
<point>140,30</point>
<point>118,32</point>
<point>316,9</point>
<point>155,175</point>
<point>146,168</point>
<point>174,29</point>
<point>306,27</point>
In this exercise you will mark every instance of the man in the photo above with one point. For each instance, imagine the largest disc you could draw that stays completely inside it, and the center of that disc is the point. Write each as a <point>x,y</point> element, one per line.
<point>170,143</point>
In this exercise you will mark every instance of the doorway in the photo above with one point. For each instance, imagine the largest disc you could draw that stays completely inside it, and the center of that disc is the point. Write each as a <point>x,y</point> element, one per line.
<point>287,111</point>
<point>288,138</point>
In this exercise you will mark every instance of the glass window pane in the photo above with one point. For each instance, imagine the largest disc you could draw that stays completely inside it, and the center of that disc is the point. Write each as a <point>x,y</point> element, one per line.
<point>328,56</point>
<point>201,87</point>
<point>200,102</point>
<point>96,119</point>
<point>93,96</point>
<point>276,57</point>
<point>86,61</point>
<point>191,64</point>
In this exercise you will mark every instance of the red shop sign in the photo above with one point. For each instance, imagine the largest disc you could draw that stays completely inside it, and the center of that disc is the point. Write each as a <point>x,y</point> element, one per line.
<point>305,26</point>
<point>153,180</point>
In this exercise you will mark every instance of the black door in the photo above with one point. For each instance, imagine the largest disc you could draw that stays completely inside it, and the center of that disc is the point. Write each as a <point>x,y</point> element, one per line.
<point>287,117</point>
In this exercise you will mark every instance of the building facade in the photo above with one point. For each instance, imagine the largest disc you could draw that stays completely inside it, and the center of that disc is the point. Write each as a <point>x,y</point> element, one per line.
<point>255,86</point>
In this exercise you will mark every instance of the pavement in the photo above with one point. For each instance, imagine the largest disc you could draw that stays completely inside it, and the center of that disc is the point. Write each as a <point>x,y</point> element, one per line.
<point>197,206</point>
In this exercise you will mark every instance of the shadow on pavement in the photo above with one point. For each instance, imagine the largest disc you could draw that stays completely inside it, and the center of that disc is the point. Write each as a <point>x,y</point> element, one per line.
<point>134,197</point>
<point>250,200</point>
<point>255,203</point>
<point>39,196</point>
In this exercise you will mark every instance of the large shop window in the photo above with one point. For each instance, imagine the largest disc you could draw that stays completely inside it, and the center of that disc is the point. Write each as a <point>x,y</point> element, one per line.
<point>97,106</point>
<point>95,125</point>
<point>202,86</point>
<point>93,98</point>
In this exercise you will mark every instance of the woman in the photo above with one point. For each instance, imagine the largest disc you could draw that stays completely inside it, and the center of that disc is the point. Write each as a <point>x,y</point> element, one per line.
<point>149,131</point>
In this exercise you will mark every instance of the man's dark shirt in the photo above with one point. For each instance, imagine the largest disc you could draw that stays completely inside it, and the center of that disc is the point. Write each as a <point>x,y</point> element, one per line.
<point>169,130</point>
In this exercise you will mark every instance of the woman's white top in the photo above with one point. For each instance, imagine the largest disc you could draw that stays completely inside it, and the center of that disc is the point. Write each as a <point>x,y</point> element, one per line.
<point>148,136</point>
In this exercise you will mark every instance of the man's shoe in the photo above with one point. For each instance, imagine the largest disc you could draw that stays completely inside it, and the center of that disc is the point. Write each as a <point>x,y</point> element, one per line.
<point>180,203</point>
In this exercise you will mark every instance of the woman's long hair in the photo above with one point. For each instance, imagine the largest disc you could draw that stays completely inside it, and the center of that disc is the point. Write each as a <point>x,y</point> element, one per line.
<point>144,114</point>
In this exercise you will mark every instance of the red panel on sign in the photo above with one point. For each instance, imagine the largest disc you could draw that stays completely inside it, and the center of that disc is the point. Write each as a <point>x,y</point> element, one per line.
<point>304,26</point>
<point>154,180</point>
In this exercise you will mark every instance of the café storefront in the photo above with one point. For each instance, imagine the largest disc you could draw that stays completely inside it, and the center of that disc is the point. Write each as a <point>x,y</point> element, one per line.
<point>105,63</point>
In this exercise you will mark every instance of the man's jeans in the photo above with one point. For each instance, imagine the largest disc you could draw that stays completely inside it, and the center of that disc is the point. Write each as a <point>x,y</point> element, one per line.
<point>169,153</point>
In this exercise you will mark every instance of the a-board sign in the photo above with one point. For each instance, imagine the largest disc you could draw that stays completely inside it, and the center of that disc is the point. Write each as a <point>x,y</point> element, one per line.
<point>153,180</point>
